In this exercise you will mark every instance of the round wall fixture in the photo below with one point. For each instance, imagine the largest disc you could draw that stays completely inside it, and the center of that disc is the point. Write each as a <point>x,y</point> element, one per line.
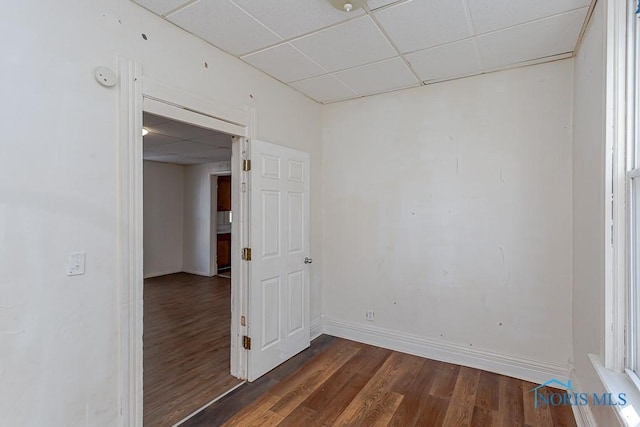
<point>105,76</point>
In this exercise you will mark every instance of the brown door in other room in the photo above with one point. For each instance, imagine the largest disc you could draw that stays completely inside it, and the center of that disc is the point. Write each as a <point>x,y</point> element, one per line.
<point>224,193</point>
<point>224,250</point>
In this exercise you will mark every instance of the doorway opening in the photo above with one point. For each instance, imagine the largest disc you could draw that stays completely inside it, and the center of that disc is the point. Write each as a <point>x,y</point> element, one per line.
<point>187,214</point>
<point>266,327</point>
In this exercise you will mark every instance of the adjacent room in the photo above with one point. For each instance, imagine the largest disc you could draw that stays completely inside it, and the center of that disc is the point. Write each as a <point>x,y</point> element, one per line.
<point>336,212</point>
<point>187,266</point>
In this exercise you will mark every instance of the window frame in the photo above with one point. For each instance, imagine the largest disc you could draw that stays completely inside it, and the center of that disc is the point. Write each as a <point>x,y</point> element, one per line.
<point>632,182</point>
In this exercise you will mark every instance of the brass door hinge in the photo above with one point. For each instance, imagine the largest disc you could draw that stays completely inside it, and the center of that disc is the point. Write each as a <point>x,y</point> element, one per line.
<point>246,165</point>
<point>243,321</point>
<point>246,342</point>
<point>246,254</point>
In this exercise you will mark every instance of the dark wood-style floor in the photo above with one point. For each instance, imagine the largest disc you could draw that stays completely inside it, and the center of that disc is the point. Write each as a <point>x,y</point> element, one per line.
<point>338,382</point>
<point>186,345</point>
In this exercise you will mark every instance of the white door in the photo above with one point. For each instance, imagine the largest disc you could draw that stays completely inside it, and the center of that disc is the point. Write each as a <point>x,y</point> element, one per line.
<point>278,318</point>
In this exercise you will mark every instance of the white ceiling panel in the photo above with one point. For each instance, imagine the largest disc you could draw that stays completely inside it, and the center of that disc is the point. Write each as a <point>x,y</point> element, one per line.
<point>293,18</point>
<point>214,153</point>
<point>285,63</point>
<point>490,15</point>
<point>182,143</point>
<point>187,148</point>
<point>538,39</point>
<point>333,55</point>
<point>353,43</point>
<point>215,139</point>
<point>223,24</point>
<point>155,139</point>
<point>381,76</point>
<point>421,24</point>
<point>377,4</point>
<point>450,60</point>
<point>161,7</point>
<point>324,88</point>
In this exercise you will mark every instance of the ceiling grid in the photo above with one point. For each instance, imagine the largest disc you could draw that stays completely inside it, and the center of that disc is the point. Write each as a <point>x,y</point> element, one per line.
<point>331,55</point>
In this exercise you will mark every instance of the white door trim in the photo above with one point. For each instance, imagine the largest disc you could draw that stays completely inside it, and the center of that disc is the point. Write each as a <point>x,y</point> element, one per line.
<point>138,92</point>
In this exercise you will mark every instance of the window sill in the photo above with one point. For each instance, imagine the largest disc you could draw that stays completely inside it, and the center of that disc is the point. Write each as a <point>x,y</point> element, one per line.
<point>620,382</point>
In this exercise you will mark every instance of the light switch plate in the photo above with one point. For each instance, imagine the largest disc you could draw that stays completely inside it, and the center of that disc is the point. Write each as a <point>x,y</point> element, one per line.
<point>75,264</point>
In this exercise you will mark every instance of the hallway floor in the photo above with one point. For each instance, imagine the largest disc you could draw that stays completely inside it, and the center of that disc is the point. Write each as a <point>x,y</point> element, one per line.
<point>186,345</point>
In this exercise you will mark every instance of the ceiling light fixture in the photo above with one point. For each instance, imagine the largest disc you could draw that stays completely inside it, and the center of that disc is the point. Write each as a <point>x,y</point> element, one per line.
<point>347,5</point>
<point>144,131</point>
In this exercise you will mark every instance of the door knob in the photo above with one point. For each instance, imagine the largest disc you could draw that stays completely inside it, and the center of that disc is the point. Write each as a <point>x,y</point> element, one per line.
<point>308,260</point>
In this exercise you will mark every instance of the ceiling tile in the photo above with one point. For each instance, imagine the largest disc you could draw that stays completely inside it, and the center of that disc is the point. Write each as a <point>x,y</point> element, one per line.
<point>538,39</point>
<point>377,4</point>
<point>450,60</point>
<point>285,63</point>
<point>214,155</point>
<point>421,24</point>
<point>216,139</point>
<point>224,25</point>
<point>490,15</point>
<point>293,18</point>
<point>185,148</point>
<point>323,88</point>
<point>161,7</point>
<point>346,45</point>
<point>155,139</point>
<point>379,77</point>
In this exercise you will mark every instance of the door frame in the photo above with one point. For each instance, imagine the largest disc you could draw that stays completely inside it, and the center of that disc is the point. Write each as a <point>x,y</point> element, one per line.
<point>138,93</point>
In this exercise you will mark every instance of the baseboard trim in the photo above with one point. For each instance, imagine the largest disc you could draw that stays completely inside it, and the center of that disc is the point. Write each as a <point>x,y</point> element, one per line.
<point>525,369</point>
<point>197,273</point>
<point>582,413</point>
<point>316,328</point>
<point>162,273</point>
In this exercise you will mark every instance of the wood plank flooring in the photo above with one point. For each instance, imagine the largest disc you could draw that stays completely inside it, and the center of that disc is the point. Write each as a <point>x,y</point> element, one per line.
<point>186,345</point>
<point>338,382</point>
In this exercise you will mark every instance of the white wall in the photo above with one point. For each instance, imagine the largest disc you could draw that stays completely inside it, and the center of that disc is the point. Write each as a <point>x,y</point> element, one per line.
<point>198,216</point>
<point>447,210</point>
<point>60,345</point>
<point>163,218</point>
<point>589,208</point>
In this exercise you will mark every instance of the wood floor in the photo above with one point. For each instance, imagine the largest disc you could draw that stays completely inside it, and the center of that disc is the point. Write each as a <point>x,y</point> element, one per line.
<point>186,345</point>
<point>343,383</point>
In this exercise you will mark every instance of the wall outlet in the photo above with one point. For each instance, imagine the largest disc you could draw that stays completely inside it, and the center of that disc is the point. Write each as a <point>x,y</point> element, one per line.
<point>370,315</point>
<point>75,264</point>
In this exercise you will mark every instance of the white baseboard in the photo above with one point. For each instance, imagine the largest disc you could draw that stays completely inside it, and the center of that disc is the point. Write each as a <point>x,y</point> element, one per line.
<point>164,273</point>
<point>582,413</point>
<point>316,328</point>
<point>525,369</point>
<point>197,273</point>
<point>161,273</point>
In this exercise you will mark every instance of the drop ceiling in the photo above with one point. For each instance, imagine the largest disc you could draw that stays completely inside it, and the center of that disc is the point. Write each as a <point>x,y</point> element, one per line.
<point>171,141</point>
<point>330,55</point>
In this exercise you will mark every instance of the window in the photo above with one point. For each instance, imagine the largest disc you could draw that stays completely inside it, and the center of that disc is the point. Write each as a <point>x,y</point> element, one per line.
<point>633,185</point>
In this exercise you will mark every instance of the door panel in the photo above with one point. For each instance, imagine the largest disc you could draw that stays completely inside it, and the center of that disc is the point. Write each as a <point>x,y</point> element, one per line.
<point>224,193</point>
<point>296,223</point>
<point>296,301</point>
<point>224,250</point>
<point>278,318</point>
